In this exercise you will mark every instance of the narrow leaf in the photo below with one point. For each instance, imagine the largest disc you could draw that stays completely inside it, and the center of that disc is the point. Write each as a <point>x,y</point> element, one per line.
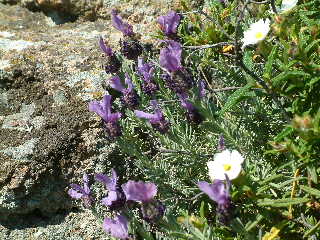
<point>282,202</point>
<point>311,191</point>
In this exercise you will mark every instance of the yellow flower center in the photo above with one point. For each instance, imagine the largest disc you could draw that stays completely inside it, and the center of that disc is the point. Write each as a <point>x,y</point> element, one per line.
<point>226,167</point>
<point>259,35</point>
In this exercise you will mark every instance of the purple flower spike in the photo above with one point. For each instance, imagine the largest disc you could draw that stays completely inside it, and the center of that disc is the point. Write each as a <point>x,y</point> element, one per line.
<point>219,192</point>
<point>115,83</point>
<point>139,191</point>
<point>177,78</point>
<point>106,49</point>
<point>129,97</point>
<point>146,72</point>
<point>112,63</point>
<point>117,227</point>
<point>117,22</point>
<point>157,120</point>
<point>116,197</point>
<point>170,57</point>
<point>145,69</point>
<point>103,109</point>
<point>193,114</point>
<point>169,23</point>
<point>221,143</point>
<point>128,82</point>
<point>152,211</point>
<point>84,192</point>
<point>110,183</point>
<point>202,89</point>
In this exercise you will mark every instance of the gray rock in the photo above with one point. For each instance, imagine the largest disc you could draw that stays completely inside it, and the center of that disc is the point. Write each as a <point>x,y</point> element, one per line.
<point>48,139</point>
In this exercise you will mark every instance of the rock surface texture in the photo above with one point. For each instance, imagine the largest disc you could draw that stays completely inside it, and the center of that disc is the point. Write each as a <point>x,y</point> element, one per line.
<point>48,138</point>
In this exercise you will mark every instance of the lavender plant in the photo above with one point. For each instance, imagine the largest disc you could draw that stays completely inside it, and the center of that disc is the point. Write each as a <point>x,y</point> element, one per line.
<point>235,98</point>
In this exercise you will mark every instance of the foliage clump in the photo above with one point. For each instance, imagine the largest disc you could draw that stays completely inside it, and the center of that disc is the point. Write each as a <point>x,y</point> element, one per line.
<point>238,75</point>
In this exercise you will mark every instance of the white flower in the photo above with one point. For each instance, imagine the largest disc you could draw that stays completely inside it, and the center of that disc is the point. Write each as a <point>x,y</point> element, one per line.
<point>256,32</point>
<point>287,5</point>
<point>226,162</point>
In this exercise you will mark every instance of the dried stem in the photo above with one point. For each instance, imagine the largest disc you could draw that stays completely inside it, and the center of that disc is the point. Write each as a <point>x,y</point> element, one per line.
<point>209,45</point>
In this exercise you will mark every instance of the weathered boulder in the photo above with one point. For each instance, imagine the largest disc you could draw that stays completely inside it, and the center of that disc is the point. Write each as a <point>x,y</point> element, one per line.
<point>48,73</point>
<point>62,11</point>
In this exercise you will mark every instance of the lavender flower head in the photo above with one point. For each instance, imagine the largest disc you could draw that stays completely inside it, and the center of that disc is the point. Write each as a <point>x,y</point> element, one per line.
<point>116,197</point>
<point>193,114</point>
<point>219,192</point>
<point>123,27</point>
<point>103,109</point>
<point>221,143</point>
<point>139,191</point>
<point>169,23</point>
<point>104,48</point>
<point>202,88</point>
<point>157,120</point>
<point>170,57</point>
<point>177,78</point>
<point>117,227</point>
<point>130,97</point>
<point>83,193</point>
<point>151,209</point>
<point>130,47</point>
<point>146,72</point>
<point>112,64</point>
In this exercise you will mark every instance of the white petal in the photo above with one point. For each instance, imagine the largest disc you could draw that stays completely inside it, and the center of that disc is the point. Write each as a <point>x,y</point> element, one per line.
<point>234,171</point>
<point>222,156</point>
<point>216,170</point>
<point>236,157</point>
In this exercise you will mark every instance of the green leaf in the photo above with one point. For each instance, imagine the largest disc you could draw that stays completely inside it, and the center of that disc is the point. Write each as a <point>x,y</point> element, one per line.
<point>285,202</point>
<point>312,230</point>
<point>311,191</point>
<point>202,210</point>
<point>251,225</point>
<point>313,81</point>
<point>236,97</point>
<point>270,62</point>
<point>313,173</point>
<point>311,45</point>
<point>284,76</point>
<point>284,133</point>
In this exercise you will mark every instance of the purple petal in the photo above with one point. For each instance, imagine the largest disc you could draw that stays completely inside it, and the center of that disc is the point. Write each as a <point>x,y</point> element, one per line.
<point>106,49</point>
<point>202,90</point>
<point>117,227</point>
<point>95,106</point>
<point>117,22</point>
<point>102,108</point>
<point>170,57</point>
<point>141,114</point>
<point>74,194</point>
<point>157,110</point>
<point>216,191</point>
<point>139,191</point>
<point>145,69</point>
<point>77,188</point>
<point>86,186</point>
<point>185,103</point>
<point>221,143</point>
<point>169,23</point>
<point>116,84</point>
<point>128,82</point>
<point>112,197</point>
<point>110,183</point>
<point>114,117</point>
